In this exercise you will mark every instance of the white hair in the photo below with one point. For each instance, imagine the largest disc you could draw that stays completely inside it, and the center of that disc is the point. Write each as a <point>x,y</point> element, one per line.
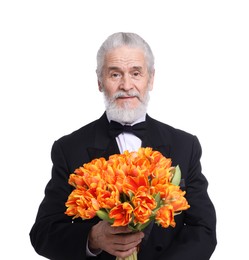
<point>124,39</point>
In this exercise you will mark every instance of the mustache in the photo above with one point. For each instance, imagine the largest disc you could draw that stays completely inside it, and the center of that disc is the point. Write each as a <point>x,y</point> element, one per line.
<point>132,93</point>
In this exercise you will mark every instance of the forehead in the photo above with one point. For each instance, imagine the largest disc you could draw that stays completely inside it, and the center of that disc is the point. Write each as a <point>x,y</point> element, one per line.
<point>125,57</point>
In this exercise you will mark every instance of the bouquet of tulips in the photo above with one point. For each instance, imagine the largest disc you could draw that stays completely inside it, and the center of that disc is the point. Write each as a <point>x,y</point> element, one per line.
<point>130,189</point>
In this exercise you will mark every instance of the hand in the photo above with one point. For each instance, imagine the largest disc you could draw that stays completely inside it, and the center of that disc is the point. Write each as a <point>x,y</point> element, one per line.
<point>117,241</point>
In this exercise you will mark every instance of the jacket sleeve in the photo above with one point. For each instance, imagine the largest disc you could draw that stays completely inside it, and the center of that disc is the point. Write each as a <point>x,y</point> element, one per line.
<point>54,235</point>
<point>197,238</point>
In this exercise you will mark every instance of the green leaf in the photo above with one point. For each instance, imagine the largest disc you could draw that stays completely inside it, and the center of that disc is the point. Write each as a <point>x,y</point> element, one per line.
<point>139,226</point>
<point>133,228</point>
<point>177,176</point>
<point>102,214</point>
<point>157,198</point>
<point>131,195</point>
<point>143,226</point>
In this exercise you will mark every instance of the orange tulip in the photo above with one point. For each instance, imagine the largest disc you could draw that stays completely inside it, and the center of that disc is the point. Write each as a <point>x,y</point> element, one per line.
<point>133,184</point>
<point>180,204</point>
<point>109,175</point>
<point>121,214</point>
<point>76,180</point>
<point>165,216</point>
<point>108,198</point>
<point>142,213</point>
<point>173,195</point>
<point>87,213</point>
<point>82,204</point>
<point>142,197</point>
<point>144,204</point>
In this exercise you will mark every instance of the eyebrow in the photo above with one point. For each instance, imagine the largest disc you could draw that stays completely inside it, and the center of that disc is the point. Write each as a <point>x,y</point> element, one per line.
<point>118,68</point>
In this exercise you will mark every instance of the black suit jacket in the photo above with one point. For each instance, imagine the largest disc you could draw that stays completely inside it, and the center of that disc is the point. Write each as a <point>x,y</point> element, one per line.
<point>54,234</point>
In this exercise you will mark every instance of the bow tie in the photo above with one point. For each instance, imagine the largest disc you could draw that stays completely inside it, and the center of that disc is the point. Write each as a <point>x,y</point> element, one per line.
<point>138,129</point>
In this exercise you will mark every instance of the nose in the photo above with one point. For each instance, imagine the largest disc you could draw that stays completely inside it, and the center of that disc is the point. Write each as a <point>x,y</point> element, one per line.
<point>126,83</point>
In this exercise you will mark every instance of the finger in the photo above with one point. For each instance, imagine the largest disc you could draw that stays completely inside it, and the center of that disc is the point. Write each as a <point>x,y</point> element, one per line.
<point>125,242</point>
<point>126,247</point>
<point>120,230</point>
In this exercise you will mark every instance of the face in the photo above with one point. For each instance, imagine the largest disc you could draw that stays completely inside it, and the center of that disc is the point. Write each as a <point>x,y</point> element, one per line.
<point>126,83</point>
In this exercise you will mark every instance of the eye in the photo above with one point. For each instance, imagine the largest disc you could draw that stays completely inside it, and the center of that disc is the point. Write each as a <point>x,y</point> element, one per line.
<point>135,74</point>
<point>115,75</point>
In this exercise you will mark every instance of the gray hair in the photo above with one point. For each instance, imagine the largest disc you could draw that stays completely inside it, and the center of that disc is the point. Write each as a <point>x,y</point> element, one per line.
<point>124,39</point>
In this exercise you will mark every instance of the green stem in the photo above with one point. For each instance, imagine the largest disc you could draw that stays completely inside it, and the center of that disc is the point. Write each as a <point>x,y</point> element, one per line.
<point>130,257</point>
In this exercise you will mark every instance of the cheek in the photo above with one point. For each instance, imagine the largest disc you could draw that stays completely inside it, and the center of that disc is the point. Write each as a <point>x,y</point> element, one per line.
<point>109,91</point>
<point>143,89</point>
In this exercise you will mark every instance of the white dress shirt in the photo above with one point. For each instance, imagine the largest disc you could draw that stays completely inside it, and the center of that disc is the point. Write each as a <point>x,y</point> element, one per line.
<point>128,141</point>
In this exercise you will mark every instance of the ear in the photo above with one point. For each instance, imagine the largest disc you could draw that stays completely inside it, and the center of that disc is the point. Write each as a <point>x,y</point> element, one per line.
<point>100,86</point>
<point>151,80</point>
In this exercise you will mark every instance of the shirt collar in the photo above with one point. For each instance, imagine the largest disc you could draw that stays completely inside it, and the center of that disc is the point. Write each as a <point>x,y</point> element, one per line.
<point>139,120</point>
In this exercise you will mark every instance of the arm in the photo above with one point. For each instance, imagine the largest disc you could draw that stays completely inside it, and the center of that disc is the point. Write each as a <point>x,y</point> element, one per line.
<point>197,238</point>
<point>53,234</point>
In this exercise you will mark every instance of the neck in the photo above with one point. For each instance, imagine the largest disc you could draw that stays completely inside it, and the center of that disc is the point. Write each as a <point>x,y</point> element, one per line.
<point>138,120</point>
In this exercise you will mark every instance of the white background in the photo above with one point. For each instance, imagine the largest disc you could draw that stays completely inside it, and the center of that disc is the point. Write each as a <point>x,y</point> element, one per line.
<point>49,89</point>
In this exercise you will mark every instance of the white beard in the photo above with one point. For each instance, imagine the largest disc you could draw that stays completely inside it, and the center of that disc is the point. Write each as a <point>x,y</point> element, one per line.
<point>125,114</point>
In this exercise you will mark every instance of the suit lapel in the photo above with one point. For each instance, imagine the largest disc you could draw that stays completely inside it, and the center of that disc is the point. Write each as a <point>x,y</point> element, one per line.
<point>154,138</point>
<point>112,148</point>
<point>104,145</point>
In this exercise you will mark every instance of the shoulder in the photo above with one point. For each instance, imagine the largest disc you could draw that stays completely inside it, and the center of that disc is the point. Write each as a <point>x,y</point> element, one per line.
<point>184,148</point>
<point>78,134</point>
<point>73,147</point>
<point>168,131</point>
<point>182,144</point>
<point>86,133</point>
